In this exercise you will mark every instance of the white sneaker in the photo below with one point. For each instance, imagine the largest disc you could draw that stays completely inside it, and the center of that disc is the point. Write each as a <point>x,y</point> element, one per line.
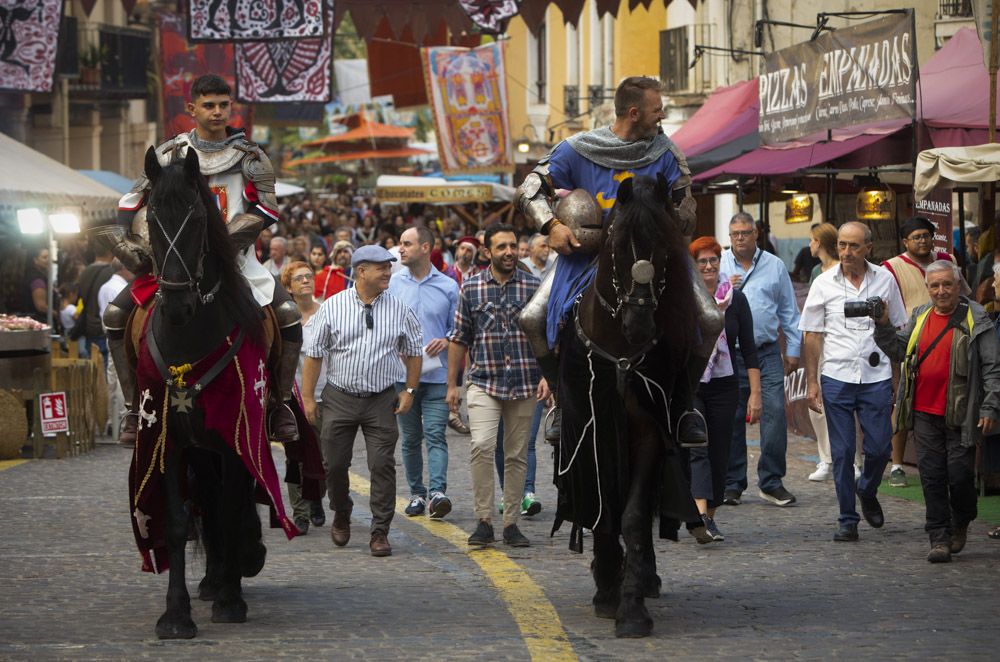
<point>857,473</point>
<point>822,473</point>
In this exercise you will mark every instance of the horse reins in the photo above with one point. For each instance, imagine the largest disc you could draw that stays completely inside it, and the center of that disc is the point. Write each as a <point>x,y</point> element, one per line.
<point>194,280</point>
<point>642,273</point>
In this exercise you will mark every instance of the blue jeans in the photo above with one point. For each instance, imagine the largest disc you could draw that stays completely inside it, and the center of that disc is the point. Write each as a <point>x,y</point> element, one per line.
<point>529,478</point>
<point>83,348</point>
<point>427,419</point>
<point>873,405</point>
<point>773,430</point>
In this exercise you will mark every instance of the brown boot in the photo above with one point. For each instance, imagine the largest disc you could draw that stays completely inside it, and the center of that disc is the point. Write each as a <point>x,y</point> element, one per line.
<point>281,423</point>
<point>958,539</point>
<point>379,545</point>
<point>129,431</point>
<point>340,530</point>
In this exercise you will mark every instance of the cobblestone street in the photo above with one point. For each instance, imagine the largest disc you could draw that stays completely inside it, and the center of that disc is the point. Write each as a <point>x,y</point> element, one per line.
<point>778,587</point>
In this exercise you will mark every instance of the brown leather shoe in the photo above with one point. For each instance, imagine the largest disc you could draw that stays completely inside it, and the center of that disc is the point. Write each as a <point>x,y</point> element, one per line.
<point>958,539</point>
<point>340,530</point>
<point>379,545</point>
<point>128,433</point>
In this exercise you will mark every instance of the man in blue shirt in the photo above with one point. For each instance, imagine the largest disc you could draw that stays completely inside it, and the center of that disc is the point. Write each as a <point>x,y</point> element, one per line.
<point>764,280</point>
<point>598,161</point>
<point>433,297</point>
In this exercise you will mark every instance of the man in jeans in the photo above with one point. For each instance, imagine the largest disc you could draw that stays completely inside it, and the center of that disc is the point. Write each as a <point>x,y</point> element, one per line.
<point>504,380</point>
<point>433,297</point>
<point>764,281</point>
<point>949,395</point>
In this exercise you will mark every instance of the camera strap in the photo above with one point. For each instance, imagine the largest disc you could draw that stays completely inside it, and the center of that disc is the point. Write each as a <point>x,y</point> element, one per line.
<point>954,322</point>
<point>753,269</point>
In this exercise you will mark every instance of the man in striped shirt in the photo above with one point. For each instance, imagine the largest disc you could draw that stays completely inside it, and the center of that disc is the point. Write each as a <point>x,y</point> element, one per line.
<point>363,332</point>
<point>504,380</point>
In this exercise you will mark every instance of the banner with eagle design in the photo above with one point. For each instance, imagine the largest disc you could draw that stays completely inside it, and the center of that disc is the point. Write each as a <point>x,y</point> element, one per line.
<point>29,32</point>
<point>288,70</point>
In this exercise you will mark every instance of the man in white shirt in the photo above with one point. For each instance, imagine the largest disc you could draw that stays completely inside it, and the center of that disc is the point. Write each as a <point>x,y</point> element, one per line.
<point>276,256</point>
<point>857,375</point>
<point>537,260</point>
<point>105,295</point>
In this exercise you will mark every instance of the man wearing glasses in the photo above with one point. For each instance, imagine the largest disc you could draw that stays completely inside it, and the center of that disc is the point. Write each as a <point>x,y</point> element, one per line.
<point>363,332</point>
<point>857,377</point>
<point>764,280</point>
<point>908,268</point>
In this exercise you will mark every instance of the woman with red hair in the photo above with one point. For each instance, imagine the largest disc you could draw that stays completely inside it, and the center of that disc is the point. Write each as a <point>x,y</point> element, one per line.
<point>719,391</point>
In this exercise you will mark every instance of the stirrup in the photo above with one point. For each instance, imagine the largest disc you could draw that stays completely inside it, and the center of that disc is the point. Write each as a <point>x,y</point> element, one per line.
<point>688,444</point>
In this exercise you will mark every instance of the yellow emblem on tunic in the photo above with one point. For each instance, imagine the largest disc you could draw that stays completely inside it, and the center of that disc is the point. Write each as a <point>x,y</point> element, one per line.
<point>608,203</point>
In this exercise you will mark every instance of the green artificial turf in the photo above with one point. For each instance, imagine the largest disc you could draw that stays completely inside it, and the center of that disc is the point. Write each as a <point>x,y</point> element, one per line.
<point>988,506</point>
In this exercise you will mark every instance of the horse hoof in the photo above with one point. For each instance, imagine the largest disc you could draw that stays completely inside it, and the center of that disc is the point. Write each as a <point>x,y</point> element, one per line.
<point>171,626</point>
<point>234,611</point>
<point>208,590</point>
<point>652,590</point>
<point>605,608</point>
<point>633,629</point>
<point>252,560</point>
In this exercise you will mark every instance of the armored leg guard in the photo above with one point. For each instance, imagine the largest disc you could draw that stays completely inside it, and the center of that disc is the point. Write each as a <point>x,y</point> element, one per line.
<point>690,426</point>
<point>533,320</point>
<point>115,321</point>
<point>281,420</point>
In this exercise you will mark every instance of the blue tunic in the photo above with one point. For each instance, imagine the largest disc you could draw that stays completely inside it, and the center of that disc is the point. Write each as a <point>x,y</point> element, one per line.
<point>569,170</point>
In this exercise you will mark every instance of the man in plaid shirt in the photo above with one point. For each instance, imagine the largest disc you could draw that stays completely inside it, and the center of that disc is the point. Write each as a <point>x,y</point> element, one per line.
<point>504,380</point>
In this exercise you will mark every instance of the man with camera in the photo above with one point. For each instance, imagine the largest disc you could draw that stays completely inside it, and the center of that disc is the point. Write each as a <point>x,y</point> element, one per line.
<point>949,395</point>
<point>857,376</point>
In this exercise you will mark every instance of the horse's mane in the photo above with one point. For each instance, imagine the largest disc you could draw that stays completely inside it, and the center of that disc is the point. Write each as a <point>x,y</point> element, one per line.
<point>645,222</point>
<point>234,293</point>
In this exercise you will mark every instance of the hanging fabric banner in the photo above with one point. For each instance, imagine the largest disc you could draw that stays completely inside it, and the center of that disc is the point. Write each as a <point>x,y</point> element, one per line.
<point>290,70</point>
<point>855,75</point>
<point>28,37</point>
<point>251,20</point>
<point>180,64</point>
<point>490,16</point>
<point>467,89</point>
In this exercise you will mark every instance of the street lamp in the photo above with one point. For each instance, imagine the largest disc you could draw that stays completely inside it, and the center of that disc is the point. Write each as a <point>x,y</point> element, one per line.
<point>31,221</point>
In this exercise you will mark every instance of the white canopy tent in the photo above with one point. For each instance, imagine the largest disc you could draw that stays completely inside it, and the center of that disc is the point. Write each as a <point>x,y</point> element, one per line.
<point>949,166</point>
<point>284,189</point>
<point>29,178</point>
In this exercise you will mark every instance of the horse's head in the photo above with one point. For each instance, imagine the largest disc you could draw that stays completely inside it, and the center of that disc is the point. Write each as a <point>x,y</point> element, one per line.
<point>177,215</point>
<point>641,231</point>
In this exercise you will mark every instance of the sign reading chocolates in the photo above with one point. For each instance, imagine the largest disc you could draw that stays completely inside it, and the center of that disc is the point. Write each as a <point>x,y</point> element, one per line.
<point>854,75</point>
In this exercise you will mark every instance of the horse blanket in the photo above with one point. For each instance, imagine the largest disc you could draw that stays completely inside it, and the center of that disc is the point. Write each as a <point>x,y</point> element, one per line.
<point>233,404</point>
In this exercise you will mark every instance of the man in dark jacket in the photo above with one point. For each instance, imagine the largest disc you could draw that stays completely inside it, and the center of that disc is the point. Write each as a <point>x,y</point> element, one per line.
<point>949,395</point>
<point>93,276</point>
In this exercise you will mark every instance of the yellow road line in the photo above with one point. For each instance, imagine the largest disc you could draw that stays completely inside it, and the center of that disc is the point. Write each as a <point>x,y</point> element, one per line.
<point>10,464</point>
<point>535,616</point>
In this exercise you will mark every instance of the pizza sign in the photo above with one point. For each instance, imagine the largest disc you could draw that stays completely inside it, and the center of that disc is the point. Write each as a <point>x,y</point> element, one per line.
<point>53,413</point>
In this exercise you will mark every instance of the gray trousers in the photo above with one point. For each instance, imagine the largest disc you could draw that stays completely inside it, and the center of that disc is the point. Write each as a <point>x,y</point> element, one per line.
<point>343,414</point>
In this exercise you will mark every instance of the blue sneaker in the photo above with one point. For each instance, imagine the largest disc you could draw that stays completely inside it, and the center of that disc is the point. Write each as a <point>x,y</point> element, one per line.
<point>440,505</point>
<point>416,507</point>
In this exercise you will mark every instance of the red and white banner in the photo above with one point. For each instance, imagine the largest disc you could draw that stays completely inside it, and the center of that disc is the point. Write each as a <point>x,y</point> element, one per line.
<point>54,415</point>
<point>29,31</point>
<point>290,70</point>
<point>252,20</point>
<point>467,89</point>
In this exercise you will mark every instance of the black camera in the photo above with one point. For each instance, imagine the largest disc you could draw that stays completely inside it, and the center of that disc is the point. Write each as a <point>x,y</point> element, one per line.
<point>871,307</point>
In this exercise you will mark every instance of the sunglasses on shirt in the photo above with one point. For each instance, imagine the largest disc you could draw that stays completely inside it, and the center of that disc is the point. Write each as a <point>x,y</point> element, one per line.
<point>369,319</point>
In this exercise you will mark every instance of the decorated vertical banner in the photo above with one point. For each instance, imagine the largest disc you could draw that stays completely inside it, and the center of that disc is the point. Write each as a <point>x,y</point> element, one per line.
<point>254,20</point>
<point>288,70</point>
<point>180,64</point>
<point>29,32</point>
<point>467,89</point>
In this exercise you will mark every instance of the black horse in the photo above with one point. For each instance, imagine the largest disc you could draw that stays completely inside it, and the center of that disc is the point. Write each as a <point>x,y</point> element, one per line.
<point>632,331</point>
<point>202,303</point>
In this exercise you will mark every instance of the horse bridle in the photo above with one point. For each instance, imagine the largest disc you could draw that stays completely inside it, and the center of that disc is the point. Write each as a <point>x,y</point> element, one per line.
<point>193,283</point>
<point>642,273</point>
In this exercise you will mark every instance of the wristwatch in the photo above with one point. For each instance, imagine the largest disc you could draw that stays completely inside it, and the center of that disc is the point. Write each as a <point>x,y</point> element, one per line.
<point>410,390</point>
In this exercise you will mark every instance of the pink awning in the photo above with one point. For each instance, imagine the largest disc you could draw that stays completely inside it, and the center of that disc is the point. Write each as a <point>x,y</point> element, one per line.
<point>954,87</point>
<point>730,113</point>
<point>765,161</point>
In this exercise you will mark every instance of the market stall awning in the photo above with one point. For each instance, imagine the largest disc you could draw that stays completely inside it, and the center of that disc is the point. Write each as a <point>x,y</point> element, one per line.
<point>110,179</point>
<point>29,178</point>
<point>366,130</point>
<point>770,161</point>
<point>728,114</point>
<point>401,153</point>
<point>948,166</point>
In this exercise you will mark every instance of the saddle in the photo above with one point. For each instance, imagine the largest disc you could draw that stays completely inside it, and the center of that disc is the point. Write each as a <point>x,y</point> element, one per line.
<point>137,322</point>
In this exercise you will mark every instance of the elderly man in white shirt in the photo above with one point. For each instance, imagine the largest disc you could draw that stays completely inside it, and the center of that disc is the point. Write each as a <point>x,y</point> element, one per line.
<point>857,376</point>
<point>118,402</point>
